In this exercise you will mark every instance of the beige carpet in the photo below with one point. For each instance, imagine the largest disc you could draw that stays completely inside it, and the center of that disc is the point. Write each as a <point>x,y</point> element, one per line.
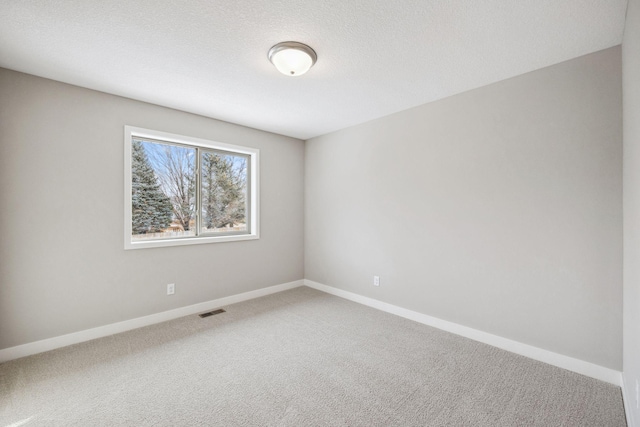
<point>297,358</point>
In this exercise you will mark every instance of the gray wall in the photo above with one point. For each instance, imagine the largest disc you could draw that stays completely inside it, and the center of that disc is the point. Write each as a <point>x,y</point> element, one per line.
<point>62,263</point>
<point>631,129</point>
<point>499,209</point>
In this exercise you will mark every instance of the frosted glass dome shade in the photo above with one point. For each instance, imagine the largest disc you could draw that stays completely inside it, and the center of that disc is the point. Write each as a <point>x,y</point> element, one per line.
<point>292,58</point>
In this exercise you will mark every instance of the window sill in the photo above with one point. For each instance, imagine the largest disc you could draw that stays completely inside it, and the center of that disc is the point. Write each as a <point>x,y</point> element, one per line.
<point>188,241</point>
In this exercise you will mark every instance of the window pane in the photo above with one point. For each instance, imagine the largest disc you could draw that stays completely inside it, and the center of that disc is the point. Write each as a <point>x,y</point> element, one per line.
<point>163,190</point>
<point>224,192</point>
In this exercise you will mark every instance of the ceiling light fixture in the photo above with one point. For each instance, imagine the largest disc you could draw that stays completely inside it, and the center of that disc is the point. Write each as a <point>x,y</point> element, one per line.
<point>292,58</point>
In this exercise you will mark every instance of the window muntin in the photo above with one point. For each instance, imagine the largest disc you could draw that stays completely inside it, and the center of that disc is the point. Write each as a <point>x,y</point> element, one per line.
<point>181,190</point>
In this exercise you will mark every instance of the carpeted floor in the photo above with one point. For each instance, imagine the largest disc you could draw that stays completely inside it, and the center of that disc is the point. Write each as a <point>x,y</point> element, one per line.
<point>297,358</point>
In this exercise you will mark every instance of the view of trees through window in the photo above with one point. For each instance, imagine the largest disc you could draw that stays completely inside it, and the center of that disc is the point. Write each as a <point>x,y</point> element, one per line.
<point>167,193</point>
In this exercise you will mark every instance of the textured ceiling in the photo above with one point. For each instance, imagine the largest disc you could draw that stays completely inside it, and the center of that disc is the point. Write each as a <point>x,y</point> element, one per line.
<point>375,57</point>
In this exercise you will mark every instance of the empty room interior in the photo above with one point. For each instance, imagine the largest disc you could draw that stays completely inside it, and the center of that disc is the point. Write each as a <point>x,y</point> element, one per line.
<point>297,213</point>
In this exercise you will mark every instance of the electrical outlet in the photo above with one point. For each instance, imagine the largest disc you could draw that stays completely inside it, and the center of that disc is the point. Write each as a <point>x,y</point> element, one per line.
<point>171,289</point>
<point>376,280</point>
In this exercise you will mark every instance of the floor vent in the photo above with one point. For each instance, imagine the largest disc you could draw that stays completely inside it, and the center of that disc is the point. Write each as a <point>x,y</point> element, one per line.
<point>211,313</point>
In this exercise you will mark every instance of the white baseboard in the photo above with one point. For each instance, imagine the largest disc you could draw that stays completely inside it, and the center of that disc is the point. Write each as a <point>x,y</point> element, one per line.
<point>576,365</point>
<point>127,325</point>
<point>559,360</point>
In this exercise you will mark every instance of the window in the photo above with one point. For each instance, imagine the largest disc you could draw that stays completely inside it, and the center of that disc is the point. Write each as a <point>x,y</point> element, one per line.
<point>181,190</point>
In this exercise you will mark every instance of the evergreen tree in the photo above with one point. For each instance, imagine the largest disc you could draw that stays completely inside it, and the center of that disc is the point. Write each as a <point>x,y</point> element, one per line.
<point>150,207</point>
<point>223,191</point>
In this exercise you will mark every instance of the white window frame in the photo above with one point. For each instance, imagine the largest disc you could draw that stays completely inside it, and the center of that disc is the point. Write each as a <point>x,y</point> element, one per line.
<point>131,132</point>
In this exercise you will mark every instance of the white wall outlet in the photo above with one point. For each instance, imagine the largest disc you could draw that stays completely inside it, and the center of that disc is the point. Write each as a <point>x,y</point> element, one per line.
<point>171,288</point>
<point>376,280</point>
